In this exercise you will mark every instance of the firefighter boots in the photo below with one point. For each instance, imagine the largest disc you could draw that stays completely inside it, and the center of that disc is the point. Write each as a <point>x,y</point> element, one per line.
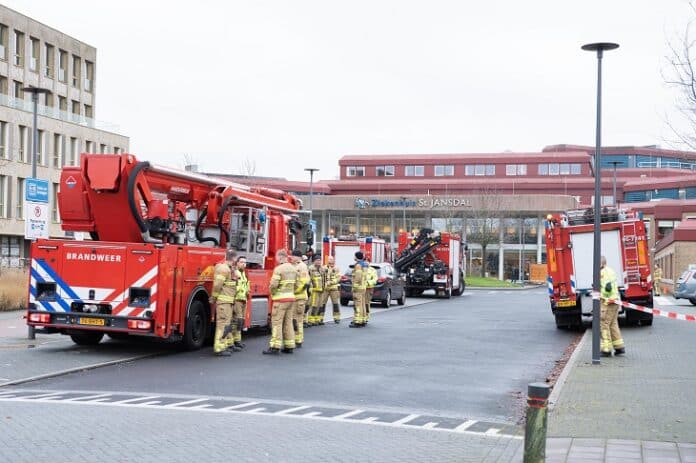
<point>287,350</point>
<point>271,351</point>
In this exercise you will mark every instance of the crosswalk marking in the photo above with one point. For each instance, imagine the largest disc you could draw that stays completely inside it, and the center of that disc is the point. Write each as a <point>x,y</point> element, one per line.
<point>270,408</point>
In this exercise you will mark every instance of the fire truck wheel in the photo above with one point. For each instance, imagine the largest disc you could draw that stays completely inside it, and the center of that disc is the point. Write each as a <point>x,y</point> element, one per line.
<point>196,326</point>
<point>459,291</point>
<point>693,301</point>
<point>86,339</point>
<point>386,302</point>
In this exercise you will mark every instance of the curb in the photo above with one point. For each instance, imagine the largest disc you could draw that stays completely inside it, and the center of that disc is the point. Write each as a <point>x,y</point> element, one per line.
<point>570,364</point>
<point>66,371</point>
<point>495,288</point>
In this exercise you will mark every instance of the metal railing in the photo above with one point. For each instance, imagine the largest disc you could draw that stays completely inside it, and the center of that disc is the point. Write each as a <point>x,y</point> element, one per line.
<point>55,113</point>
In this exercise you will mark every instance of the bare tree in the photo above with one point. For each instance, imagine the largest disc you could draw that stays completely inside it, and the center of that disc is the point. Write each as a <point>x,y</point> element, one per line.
<point>247,167</point>
<point>483,223</point>
<point>681,75</point>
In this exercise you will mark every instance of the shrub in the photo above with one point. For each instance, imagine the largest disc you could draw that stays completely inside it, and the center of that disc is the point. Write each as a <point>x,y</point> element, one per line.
<point>13,289</point>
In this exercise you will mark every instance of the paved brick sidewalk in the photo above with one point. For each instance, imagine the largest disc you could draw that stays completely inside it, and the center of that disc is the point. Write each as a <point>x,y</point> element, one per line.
<point>631,408</point>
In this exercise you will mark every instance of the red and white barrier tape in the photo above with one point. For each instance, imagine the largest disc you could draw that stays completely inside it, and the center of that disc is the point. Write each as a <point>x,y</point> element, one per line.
<point>658,312</point>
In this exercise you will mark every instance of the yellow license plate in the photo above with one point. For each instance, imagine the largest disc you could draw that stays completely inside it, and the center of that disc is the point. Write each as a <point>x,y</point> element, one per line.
<point>91,321</point>
<point>565,304</point>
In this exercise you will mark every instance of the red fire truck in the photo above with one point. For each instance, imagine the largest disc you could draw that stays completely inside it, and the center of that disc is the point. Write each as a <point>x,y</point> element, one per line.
<point>156,234</point>
<point>343,251</point>
<point>570,247</point>
<point>431,260</point>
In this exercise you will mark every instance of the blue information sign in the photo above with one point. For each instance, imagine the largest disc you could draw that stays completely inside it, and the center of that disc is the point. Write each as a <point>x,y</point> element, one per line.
<point>36,190</point>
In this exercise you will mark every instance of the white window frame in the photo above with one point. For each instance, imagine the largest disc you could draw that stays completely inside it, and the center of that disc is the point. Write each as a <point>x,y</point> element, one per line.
<point>414,171</point>
<point>351,171</point>
<point>446,170</point>
<point>3,196</point>
<point>386,171</point>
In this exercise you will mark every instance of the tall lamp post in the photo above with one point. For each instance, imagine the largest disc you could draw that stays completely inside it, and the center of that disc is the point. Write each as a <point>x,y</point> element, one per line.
<point>599,48</point>
<point>311,171</point>
<point>35,91</point>
<point>614,163</point>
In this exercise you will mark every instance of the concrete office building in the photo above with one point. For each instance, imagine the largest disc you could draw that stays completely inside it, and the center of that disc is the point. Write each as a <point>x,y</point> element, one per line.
<point>33,54</point>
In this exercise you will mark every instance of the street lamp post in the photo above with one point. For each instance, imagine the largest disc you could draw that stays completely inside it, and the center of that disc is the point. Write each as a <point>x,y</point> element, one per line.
<point>311,171</point>
<point>599,48</point>
<point>35,91</point>
<point>614,163</point>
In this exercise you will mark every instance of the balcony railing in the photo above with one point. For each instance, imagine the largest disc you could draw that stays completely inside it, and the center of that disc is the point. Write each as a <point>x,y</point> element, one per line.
<point>55,113</point>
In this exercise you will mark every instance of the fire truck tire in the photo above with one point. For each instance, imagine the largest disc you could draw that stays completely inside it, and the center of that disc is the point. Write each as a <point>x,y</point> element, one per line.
<point>693,301</point>
<point>87,338</point>
<point>459,291</point>
<point>386,302</point>
<point>196,326</point>
<point>569,322</point>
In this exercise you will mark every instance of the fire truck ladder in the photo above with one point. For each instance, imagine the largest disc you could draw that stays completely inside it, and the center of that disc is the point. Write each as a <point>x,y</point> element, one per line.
<point>630,242</point>
<point>420,245</point>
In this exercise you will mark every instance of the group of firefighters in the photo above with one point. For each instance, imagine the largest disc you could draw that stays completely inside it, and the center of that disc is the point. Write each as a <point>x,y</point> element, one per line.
<point>299,294</point>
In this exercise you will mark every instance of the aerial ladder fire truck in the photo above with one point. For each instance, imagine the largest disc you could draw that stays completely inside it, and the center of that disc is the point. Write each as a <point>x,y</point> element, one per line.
<point>431,260</point>
<point>569,260</point>
<point>156,235</point>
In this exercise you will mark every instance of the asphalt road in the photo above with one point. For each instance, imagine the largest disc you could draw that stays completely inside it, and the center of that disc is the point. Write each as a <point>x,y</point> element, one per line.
<point>470,357</point>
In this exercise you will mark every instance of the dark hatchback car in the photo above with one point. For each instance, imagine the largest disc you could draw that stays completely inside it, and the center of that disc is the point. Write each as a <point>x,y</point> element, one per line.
<point>389,286</point>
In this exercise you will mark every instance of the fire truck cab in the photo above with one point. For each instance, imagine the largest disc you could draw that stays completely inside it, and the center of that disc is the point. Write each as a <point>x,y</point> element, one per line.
<point>570,248</point>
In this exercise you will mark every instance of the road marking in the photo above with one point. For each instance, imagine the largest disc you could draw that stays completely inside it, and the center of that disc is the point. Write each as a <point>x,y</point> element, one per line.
<point>270,408</point>
<point>235,407</point>
<point>86,398</point>
<point>464,425</point>
<point>406,419</point>
<point>346,415</point>
<point>179,404</point>
<point>135,399</point>
<point>294,409</point>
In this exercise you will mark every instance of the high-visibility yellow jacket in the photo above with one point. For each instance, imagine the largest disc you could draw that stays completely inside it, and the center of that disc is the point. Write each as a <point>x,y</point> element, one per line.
<point>224,284</point>
<point>607,275</point>
<point>242,286</point>
<point>371,274</point>
<point>303,275</point>
<point>359,278</point>
<point>318,276</point>
<point>283,283</point>
<point>333,277</point>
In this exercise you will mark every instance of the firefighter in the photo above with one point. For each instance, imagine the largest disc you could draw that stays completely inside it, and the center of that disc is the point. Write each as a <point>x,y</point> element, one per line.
<point>332,291</point>
<point>371,281</point>
<point>283,284</point>
<point>359,284</point>
<point>300,305</point>
<point>317,275</point>
<point>240,303</point>
<point>657,278</point>
<point>609,323</point>
<point>224,293</point>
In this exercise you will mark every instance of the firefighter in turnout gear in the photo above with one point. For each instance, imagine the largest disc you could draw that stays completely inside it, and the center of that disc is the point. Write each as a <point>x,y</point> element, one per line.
<point>317,275</point>
<point>359,285</point>
<point>333,279</point>
<point>609,323</point>
<point>657,278</point>
<point>283,285</point>
<point>300,305</point>
<point>224,293</point>
<point>240,303</point>
<point>371,281</point>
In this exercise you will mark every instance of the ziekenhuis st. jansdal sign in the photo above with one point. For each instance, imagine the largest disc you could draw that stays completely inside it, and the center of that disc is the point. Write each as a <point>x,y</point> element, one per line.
<point>429,202</point>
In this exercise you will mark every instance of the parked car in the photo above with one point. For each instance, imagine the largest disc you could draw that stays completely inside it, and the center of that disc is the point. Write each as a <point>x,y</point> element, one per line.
<point>389,286</point>
<point>685,288</point>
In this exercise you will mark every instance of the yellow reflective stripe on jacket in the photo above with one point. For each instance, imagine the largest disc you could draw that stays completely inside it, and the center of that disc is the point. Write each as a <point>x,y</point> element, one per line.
<point>242,287</point>
<point>285,290</point>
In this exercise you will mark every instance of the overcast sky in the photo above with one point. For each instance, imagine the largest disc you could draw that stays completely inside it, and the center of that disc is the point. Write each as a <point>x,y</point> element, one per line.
<point>294,84</point>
